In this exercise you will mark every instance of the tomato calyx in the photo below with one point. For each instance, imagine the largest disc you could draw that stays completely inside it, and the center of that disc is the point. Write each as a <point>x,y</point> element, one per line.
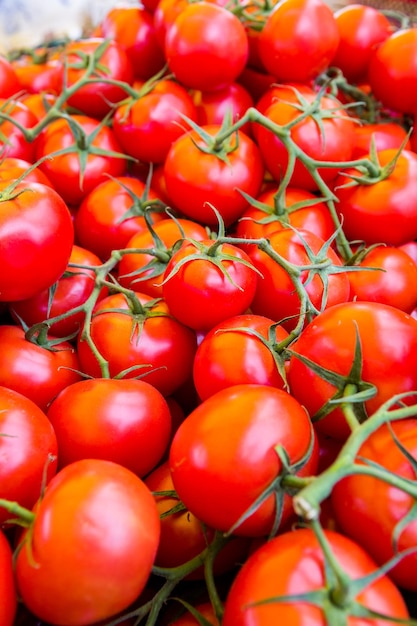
<point>141,206</point>
<point>223,143</point>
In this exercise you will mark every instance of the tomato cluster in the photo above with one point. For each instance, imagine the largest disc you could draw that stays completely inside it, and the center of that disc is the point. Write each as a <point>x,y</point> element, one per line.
<point>208,319</point>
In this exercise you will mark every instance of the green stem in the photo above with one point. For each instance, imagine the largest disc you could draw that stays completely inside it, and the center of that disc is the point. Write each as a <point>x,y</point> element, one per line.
<point>17,511</point>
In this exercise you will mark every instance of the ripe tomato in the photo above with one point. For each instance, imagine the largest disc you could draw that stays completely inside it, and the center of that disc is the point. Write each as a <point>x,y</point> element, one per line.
<point>206,47</point>
<point>385,135</point>
<point>36,239</point>
<point>12,168</point>
<point>212,106</point>
<point>330,342</point>
<point>293,564</point>
<point>299,40</point>
<point>70,291</point>
<point>196,179</point>
<point>39,103</point>
<point>28,451</point>
<point>8,597</point>
<point>202,289</point>
<point>88,158</point>
<point>12,140</point>
<point>39,74</point>
<point>9,82</point>
<point>246,422</point>
<point>235,352</point>
<point>147,339</point>
<point>66,574</point>
<point>125,421</point>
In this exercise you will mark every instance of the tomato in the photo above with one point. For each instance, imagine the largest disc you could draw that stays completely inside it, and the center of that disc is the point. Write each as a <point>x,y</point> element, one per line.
<point>12,140</point>
<point>330,340</point>
<point>144,338</point>
<point>213,106</point>
<point>8,597</point>
<point>196,179</point>
<point>38,103</point>
<point>9,82</point>
<point>245,422</point>
<point>144,272</point>
<point>12,168</point>
<point>393,282</point>
<point>28,451</point>
<point>132,27</point>
<point>385,135</point>
<point>146,127</point>
<point>299,40</point>
<point>125,421</point>
<point>202,287</point>
<point>95,98</point>
<point>35,371</point>
<point>276,296</point>
<point>293,564</point>
<point>36,239</point>
<point>83,164</point>
<point>205,609</point>
<point>326,135</point>
<point>39,74</point>
<point>66,574</point>
<point>369,210</point>
<point>361,29</point>
<point>206,47</point>
<point>235,352</point>
<point>392,71</point>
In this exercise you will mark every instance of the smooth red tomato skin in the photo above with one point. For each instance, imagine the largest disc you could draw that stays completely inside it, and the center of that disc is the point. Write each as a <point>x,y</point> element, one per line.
<point>199,294</point>
<point>9,82</point>
<point>330,339</point>
<point>12,168</point>
<point>206,47</point>
<point>34,371</point>
<point>36,238</point>
<point>299,40</point>
<point>124,421</point>
<point>293,563</point>
<point>361,28</point>
<point>69,575</point>
<point>245,422</point>
<point>369,211</point>
<point>8,596</point>
<point>28,450</point>
<point>161,343</point>
<point>392,71</point>
<point>227,355</point>
<point>13,142</point>
<point>194,179</point>
<point>385,136</point>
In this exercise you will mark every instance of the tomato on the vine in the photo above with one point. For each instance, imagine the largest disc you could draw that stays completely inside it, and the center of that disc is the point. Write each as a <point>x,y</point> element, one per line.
<point>8,596</point>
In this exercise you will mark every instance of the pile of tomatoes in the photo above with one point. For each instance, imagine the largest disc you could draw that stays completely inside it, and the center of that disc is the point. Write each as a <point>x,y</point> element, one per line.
<point>208,319</point>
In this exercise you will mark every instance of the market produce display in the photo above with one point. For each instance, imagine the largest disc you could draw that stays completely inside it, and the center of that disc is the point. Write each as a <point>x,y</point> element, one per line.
<point>208,319</point>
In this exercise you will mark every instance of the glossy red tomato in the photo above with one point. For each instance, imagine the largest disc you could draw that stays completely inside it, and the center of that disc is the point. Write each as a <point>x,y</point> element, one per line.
<point>66,573</point>
<point>238,350</point>
<point>330,340</point>
<point>246,423</point>
<point>206,47</point>
<point>125,421</point>
<point>28,451</point>
<point>8,596</point>
<point>12,168</point>
<point>146,339</point>
<point>36,239</point>
<point>213,106</point>
<point>293,564</point>
<point>13,142</point>
<point>9,82</point>
<point>298,40</point>
<point>385,135</point>
<point>39,74</point>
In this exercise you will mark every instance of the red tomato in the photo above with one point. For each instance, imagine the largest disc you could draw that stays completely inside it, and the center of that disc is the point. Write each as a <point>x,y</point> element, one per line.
<point>361,29</point>
<point>36,239</point>
<point>330,341</point>
<point>393,282</point>
<point>147,339</point>
<point>9,82</point>
<point>70,291</point>
<point>37,372</point>
<point>213,106</point>
<point>370,210</point>
<point>392,71</point>
<point>12,140</point>
<point>293,564</point>
<point>276,296</point>
<point>8,597</point>
<point>38,103</point>
<point>125,421</point>
<point>203,288</point>
<point>238,350</point>
<point>147,126</point>
<point>206,47</point>
<point>132,27</point>
<point>95,98</point>
<point>385,135</point>
<point>299,40</point>
<point>39,74</point>
<point>83,164</point>
<point>12,168</point>
<point>196,179</point>
<point>370,511</point>
<point>246,423</point>
<point>66,574</point>
<point>28,452</point>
